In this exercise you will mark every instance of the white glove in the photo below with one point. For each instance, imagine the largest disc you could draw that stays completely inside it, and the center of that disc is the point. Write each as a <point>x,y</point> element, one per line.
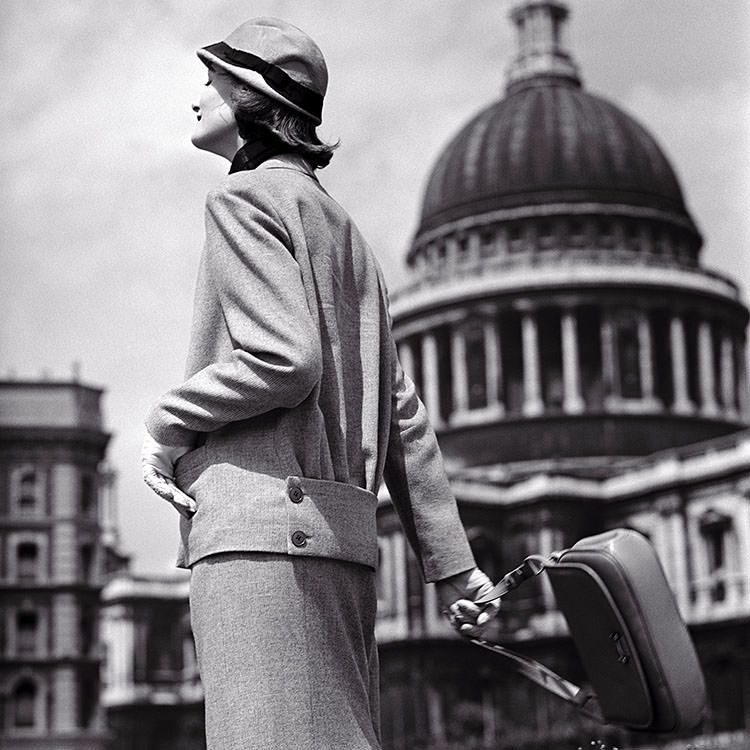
<point>457,594</point>
<point>157,463</point>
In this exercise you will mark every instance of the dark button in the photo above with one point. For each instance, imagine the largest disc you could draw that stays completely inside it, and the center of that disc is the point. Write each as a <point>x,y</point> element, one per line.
<point>299,539</point>
<point>296,494</point>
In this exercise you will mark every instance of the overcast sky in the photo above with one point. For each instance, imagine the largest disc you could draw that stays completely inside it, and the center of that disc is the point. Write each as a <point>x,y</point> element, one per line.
<point>102,193</point>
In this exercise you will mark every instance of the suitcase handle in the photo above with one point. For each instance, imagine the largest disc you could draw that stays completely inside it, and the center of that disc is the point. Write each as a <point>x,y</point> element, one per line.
<point>584,700</point>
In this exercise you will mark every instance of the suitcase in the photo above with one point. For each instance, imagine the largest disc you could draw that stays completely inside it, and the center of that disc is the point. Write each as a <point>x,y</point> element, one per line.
<point>624,622</point>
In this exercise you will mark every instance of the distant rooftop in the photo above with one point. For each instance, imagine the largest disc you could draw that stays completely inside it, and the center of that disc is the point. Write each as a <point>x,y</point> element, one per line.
<point>44,404</point>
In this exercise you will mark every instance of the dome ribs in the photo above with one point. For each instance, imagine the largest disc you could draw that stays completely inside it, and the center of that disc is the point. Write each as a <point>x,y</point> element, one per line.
<point>550,143</point>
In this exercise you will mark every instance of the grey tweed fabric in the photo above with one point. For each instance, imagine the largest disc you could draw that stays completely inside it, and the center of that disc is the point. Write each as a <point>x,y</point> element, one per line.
<point>286,652</point>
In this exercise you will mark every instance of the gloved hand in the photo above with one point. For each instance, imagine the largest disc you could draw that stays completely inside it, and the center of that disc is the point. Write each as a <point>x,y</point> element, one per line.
<point>456,596</point>
<point>157,463</point>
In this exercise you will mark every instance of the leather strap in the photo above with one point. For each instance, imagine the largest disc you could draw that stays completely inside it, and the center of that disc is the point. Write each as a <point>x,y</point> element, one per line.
<point>584,700</point>
<point>530,567</point>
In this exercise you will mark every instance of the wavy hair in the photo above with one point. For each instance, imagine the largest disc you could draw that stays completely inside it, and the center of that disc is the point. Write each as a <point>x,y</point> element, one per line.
<point>254,112</point>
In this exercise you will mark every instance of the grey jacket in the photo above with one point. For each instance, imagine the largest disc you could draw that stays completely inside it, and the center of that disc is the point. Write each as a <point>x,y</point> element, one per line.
<point>294,392</point>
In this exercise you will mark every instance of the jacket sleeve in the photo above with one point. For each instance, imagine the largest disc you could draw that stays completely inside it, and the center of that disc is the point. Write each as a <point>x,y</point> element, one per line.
<point>418,485</point>
<point>275,360</point>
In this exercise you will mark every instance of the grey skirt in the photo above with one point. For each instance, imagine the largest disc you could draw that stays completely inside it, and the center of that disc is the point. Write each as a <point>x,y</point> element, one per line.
<point>286,652</point>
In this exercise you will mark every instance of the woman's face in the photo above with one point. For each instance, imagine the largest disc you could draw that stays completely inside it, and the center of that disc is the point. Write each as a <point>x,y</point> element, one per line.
<point>216,129</point>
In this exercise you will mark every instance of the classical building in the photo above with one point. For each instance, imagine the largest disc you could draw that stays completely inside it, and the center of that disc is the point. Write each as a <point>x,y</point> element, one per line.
<point>52,565</point>
<point>152,692</point>
<point>584,371</point>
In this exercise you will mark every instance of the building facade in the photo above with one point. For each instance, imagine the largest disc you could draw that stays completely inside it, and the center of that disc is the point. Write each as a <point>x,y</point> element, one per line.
<point>52,565</point>
<point>152,692</point>
<point>584,372</point>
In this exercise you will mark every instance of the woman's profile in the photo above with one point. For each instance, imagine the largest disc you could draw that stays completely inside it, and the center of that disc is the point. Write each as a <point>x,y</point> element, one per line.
<point>293,410</point>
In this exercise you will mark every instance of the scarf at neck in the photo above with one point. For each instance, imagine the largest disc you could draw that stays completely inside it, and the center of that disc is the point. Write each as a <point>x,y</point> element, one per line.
<point>255,152</point>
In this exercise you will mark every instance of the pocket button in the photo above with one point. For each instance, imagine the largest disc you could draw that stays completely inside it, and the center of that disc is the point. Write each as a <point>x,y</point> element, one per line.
<point>299,539</point>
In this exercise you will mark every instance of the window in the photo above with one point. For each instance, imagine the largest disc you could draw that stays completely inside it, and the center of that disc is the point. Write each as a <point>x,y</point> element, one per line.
<point>445,371</point>
<point>606,231</point>
<point>515,236</point>
<point>27,625</point>
<point>87,559</point>
<point>633,236</point>
<point>27,490</point>
<point>550,357</point>
<point>576,233</point>
<point>546,235</point>
<point>88,689</point>
<point>476,365</point>
<point>589,325</point>
<point>88,495</point>
<point>715,529</point>
<point>487,244</point>
<point>27,494</point>
<point>24,705</point>
<point>27,555</point>
<point>626,356</point>
<point>86,628</point>
<point>628,359</point>
<point>511,358</point>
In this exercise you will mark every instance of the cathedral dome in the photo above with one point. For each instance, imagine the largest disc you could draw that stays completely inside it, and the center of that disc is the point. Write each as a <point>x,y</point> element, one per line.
<point>549,142</point>
<point>556,304</point>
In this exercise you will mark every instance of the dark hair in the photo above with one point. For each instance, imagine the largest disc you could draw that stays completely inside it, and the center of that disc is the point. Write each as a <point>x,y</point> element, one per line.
<point>254,111</point>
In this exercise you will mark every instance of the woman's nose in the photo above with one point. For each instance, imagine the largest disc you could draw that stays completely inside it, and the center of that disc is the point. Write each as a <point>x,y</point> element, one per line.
<point>195,107</point>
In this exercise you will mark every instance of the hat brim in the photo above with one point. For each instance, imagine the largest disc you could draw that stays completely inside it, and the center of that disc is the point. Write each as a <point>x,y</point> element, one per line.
<point>255,80</point>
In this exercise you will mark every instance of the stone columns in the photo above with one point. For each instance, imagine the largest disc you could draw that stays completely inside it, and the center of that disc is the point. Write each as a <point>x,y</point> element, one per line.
<point>532,384</point>
<point>645,359</point>
<point>608,357</point>
<point>572,401</point>
<point>406,357</point>
<point>728,387</point>
<point>460,376</point>
<point>492,363</point>
<point>430,377</point>
<point>741,384</point>
<point>706,370</point>
<point>682,401</point>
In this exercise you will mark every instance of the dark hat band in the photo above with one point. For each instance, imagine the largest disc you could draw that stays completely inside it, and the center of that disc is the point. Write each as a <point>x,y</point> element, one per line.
<point>298,94</point>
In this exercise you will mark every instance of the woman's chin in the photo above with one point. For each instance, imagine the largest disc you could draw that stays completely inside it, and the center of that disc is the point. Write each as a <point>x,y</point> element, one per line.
<point>200,141</point>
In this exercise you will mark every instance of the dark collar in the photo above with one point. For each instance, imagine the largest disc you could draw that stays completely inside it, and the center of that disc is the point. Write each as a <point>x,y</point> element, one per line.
<point>254,153</point>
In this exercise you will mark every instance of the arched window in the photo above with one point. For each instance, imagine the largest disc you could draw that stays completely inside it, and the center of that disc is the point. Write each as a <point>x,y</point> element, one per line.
<point>27,567</point>
<point>27,490</point>
<point>27,626</point>
<point>24,705</point>
<point>27,493</point>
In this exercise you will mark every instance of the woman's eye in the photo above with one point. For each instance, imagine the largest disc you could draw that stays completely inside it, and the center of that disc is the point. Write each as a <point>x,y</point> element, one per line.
<point>208,82</point>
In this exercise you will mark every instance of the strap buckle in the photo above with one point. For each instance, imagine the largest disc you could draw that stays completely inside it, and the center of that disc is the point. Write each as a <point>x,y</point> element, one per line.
<point>530,567</point>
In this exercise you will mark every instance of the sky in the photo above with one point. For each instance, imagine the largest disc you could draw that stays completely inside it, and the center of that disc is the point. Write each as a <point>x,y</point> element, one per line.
<point>101,210</point>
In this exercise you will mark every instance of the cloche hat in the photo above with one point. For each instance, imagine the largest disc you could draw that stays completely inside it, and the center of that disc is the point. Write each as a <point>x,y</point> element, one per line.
<point>277,59</point>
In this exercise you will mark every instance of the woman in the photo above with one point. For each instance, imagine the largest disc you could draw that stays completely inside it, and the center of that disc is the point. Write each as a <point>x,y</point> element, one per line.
<point>293,410</point>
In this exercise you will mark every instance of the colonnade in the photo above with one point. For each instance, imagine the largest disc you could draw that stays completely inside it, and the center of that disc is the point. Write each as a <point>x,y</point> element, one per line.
<point>526,360</point>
